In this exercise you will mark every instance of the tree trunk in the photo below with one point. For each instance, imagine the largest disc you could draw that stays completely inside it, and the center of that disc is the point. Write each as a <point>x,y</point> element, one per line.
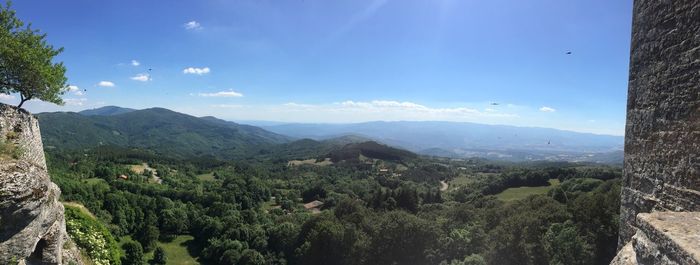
<point>22,100</point>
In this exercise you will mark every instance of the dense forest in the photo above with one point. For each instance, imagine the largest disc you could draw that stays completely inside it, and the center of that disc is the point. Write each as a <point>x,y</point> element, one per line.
<point>382,206</point>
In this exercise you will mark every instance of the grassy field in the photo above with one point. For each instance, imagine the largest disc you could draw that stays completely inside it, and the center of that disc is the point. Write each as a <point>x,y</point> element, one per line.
<point>465,179</point>
<point>514,194</point>
<point>176,251</point>
<point>206,177</point>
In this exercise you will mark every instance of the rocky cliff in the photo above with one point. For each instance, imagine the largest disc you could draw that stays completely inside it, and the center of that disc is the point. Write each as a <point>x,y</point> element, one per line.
<point>32,225</point>
<point>662,138</point>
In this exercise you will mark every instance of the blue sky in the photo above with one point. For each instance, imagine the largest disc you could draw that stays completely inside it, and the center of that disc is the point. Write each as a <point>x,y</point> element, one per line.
<point>347,60</point>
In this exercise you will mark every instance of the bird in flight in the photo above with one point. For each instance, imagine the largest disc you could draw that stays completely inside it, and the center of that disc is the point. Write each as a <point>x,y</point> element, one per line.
<point>494,104</point>
<point>568,52</point>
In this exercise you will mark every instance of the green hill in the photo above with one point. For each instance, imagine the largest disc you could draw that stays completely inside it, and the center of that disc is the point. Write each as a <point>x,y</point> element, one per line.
<point>164,131</point>
<point>371,149</point>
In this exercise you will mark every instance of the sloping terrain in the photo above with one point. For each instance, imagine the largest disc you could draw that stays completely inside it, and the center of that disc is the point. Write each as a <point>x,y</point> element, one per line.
<point>164,131</point>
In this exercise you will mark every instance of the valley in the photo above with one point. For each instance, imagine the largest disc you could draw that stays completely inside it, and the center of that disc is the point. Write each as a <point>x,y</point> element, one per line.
<point>330,201</point>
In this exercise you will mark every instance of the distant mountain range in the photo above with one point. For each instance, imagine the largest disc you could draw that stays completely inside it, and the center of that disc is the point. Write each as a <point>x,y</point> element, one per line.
<point>106,111</point>
<point>461,139</point>
<point>181,135</point>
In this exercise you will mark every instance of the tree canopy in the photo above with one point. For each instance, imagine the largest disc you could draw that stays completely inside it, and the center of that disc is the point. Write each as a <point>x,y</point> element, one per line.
<point>26,65</point>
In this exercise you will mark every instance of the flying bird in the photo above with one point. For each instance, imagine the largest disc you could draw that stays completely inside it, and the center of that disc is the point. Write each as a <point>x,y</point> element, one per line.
<point>494,104</point>
<point>568,52</point>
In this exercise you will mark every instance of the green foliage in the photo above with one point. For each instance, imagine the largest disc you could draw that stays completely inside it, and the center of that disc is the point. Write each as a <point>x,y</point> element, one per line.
<point>367,218</point>
<point>26,65</point>
<point>474,259</point>
<point>92,236</point>
<point>133,253</point>
<point>565,245</point>
<point>159,257</point>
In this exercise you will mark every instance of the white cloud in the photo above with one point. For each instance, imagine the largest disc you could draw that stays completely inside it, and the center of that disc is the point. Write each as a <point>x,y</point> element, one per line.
<point>222,94</point>
<point>141,78</point>
<point>193,25</point>
<point>547,109</point>
<point>75,101</point>
<point>196,70</point>
<point>75,90</point>
<point>6,97</point>
<point>135,63</point>
<point>105,84</point>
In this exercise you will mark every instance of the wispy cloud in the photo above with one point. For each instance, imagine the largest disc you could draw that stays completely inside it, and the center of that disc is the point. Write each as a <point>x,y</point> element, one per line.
<point>196,70</point>
<point>6,97</point>
<point>222,94</point>
<point>135,63</point>
<point>547,109</point>
<point>106,84</point>
<point>141,78</point>
<point>75,101</point>
<point>192,25</point>
<point>388,110</point>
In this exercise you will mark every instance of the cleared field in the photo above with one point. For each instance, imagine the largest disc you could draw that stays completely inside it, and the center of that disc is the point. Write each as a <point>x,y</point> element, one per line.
<point>176,251</point>
<point>93,181</point>
<point>312,161</point>
<point>514,194</point>
<point>138,169</point>
<point>206,177</point>
<point>465,179</point>
<point>462,180</point>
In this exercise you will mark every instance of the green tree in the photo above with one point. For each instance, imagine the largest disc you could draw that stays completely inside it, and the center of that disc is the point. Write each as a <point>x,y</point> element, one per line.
<point>26,65</point>
<point>133,253</point>
<point>251,257</point>
<point>159,257</point>
<point>147,236</point>
<point>564,245</point>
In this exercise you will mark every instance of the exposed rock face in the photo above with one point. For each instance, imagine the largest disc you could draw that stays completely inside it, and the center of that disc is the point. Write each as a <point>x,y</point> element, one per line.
<point>24,128</point>
<point>32,224</point>
<point>662,139</point>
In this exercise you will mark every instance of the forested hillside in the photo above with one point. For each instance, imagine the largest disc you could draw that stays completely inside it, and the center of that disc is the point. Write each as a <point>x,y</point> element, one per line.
<point>166,132</point>
<point>389,207</point>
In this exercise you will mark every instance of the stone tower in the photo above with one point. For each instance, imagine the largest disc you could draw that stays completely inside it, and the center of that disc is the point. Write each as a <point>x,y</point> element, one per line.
<point>662,137</point>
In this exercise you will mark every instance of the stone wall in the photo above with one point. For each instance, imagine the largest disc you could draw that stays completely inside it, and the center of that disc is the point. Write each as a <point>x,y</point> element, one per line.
<point>662,138</point>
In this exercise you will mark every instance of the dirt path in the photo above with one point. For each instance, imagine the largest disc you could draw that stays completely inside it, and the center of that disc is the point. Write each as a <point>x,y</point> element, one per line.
<point>156,178</point>
<point>443,185</point>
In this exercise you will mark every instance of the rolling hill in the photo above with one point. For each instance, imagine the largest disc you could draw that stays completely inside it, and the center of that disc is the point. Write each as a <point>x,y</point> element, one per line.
<point>370,149</point>
<point>164,131</point>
